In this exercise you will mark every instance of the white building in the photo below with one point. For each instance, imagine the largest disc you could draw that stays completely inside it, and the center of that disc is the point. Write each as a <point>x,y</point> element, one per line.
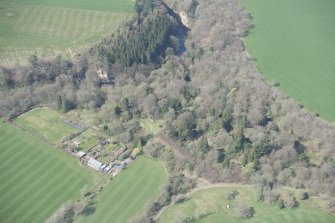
<point>95,164</point>
<point>80,154</point>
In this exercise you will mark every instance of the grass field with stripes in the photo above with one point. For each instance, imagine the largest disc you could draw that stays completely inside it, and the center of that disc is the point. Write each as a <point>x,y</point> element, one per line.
<point>35,178</point>
<point>128,194</point>
<point>48,28</point>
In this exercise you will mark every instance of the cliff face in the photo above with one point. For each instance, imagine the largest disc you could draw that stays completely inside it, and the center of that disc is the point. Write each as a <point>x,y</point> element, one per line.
<point>184,18</point>
<point>185,10</point>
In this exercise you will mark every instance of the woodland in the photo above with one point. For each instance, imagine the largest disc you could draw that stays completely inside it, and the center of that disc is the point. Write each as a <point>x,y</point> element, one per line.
<point>230,124</point>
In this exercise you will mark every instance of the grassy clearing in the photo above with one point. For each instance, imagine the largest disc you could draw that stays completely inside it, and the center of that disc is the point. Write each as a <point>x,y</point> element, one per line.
<point>87,145</point>
<point>152,127</point>
<point>87,140</point>
<point>44,123</point>
<point>212,205</point>
<point>293,42</point>
<point>35,179</point>
<point>48,28</point>
<point>129,192</point>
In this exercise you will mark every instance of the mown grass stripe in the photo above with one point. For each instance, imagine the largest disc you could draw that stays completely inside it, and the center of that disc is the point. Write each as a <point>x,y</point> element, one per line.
<point>41,28</point>
<point>45,23</point>
<point>74,28</point>
<point>66,27</point>
<point>50,191</point>
<point>53,23</point>
<point>67,192</point>
<point>27,20</point>
<point>38,186</point>
<point>27,156</point>
<point>29,190</point>
<point>129,192</point>
<point>22,16</point>
<point>16,182</point>
<point>13,157</point>
<point>38,16</point>
<point>124,203</point>
<point>42,20</point>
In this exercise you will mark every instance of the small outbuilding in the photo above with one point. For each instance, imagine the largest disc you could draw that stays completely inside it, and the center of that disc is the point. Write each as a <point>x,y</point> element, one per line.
<point>117,168</point>
<point>80,154</point>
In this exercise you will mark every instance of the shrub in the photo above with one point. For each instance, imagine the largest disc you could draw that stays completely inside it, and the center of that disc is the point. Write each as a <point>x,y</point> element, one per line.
<point>271,198</point>
<point>231,194</point>
<point>289,201</point>
<point>302,195</point>
<point>281,203</point>
<point>242,211</point>
<point>136,152</point>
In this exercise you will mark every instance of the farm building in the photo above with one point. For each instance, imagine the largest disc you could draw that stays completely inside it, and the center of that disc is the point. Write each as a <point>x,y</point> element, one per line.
<point>107,168</point>
<point>80,154</point>
<point>95,164</point>
<point>117,168</point>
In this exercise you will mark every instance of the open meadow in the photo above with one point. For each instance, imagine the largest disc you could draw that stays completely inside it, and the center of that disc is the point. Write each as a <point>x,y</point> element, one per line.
<point>35,178</point>
<point>210,206</point>
<point>129,192</point>
<point>45,124</point>
<point>47,28</point>
<point>293,44</point>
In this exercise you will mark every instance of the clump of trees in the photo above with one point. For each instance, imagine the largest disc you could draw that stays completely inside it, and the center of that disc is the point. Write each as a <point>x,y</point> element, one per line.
<point>231,194</point>
<point>147,38</point>
<point>242,211</point>
<point>286,200</point>
<point>66,213</point>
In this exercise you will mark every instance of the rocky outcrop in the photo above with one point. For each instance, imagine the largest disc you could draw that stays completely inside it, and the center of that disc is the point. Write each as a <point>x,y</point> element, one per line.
<point>185,19</point>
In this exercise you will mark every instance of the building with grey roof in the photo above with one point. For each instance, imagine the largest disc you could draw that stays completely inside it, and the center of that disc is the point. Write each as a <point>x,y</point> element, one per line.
<point>95,164</point>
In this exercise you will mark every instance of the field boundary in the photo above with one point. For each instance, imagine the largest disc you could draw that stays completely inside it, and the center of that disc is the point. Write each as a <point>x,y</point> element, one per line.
<point>33,136</point>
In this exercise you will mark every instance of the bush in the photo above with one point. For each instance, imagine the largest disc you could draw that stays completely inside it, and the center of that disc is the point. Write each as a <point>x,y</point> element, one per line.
<point>64,214</point>
<point>244,212</point>
<point>179,199</point>
<point>136,152</point>
<point>88,210</point>
<point>302,195</point>
<point>271,198</point>
<point>281,203</point>
<point>289,201</point>
<point>231,194</point>
<point>331,205</point>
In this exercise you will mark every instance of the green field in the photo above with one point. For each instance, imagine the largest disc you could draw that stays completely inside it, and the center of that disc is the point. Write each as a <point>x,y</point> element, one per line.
<point>35,179</point>
<point>51,27</point>
<point>129,192</point>
<point>212,204</point>
<point>45,124</point>
<point>293,42</point>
